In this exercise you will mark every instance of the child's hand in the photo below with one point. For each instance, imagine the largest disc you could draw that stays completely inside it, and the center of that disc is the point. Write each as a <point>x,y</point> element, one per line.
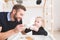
<point>34,28</point>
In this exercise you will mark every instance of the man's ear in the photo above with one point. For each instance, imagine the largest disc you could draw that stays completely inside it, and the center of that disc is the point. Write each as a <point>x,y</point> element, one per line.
<point>14,11</point>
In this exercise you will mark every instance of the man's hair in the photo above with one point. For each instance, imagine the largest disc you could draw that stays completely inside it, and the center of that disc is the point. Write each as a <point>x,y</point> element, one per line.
<point>18,6</point>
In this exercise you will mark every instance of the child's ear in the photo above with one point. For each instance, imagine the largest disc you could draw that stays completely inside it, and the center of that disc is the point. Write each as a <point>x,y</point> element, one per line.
<point>43,23</point>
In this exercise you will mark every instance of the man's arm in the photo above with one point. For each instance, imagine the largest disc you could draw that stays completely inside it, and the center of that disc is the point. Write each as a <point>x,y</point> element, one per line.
<point>5,35</point>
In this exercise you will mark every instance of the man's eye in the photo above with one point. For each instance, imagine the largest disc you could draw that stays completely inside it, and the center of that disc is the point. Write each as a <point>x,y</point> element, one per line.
<point>21,14</point>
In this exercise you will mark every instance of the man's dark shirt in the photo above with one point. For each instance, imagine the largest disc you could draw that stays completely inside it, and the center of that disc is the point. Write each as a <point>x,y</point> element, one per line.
<point>7,25</point>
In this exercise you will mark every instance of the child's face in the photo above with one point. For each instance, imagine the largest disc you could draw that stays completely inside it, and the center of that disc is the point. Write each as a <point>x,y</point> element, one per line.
<point>38,21</point>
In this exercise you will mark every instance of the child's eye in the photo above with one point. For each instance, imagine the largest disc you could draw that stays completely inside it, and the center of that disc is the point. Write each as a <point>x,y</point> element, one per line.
<point>38,22</point>
<point>35,21</point>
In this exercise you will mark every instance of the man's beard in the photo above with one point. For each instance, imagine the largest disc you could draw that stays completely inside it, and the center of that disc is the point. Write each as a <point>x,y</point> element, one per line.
<point>17,19</point>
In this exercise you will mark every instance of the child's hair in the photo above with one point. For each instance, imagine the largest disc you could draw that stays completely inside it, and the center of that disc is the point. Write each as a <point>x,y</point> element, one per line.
<point>43,22</point>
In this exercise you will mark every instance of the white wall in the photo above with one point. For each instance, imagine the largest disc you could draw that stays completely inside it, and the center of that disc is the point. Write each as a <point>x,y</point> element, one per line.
<point>56,14</point>
<point>33,11</point>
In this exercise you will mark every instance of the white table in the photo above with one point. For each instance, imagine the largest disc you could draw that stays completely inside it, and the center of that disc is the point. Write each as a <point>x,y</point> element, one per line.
<point>19,36</point>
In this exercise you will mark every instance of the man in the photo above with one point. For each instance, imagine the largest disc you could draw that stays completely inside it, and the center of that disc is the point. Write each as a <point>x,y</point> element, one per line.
<point>10,22</point>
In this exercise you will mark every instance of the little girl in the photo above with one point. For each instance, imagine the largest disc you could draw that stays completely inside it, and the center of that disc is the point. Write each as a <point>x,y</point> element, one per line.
<point>37,28</point>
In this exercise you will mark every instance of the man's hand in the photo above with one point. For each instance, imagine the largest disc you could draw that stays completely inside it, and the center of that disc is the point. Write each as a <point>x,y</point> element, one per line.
<point>19,28</point>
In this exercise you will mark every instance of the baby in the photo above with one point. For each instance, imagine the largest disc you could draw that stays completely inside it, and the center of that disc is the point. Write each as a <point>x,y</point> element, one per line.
<point>37,28</point>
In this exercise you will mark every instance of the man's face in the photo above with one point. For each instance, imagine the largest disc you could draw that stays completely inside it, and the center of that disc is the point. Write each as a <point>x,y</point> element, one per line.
<point>19,14</point>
